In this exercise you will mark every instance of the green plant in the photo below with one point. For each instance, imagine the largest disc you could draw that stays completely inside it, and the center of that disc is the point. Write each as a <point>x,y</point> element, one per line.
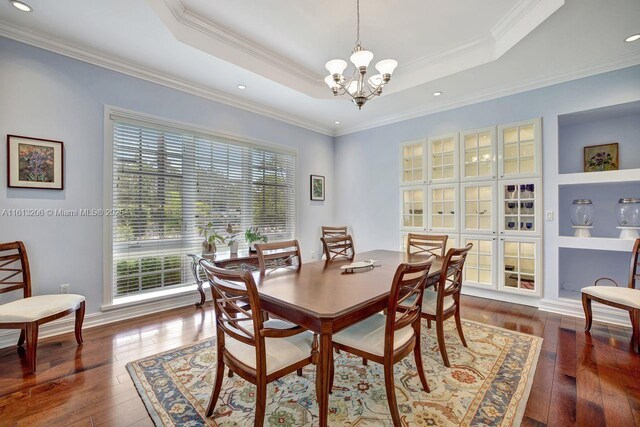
<point>210,235</point>
<point>253,235</point>
<point>232,234</point>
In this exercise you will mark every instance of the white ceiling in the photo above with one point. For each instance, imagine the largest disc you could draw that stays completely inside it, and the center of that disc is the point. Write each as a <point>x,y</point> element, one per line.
<point>278,48</point>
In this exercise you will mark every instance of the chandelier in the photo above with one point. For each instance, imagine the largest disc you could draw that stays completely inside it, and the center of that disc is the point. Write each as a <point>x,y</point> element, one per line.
<point>359,87</point>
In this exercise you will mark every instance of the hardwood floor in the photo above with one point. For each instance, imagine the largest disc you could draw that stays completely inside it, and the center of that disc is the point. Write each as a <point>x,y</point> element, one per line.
<point>581,379</point>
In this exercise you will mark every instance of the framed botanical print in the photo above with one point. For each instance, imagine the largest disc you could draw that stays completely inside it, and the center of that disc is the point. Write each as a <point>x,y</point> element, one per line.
<point>317,187</point>
<point>34,163</point>
<point>601,157</point>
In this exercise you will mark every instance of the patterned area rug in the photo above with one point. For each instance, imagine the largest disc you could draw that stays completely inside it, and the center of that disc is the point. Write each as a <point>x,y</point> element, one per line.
<point>487,384</point>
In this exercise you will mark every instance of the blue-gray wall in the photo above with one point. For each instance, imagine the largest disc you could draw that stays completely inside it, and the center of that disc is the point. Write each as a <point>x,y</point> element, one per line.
<point>367,163</point>
<point>50,96</point>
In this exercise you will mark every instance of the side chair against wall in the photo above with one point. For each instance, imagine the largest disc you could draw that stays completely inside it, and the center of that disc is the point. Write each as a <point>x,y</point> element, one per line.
<point>387,339</point>
<point>28,313</point>
<point>624,298</point>
<point>334,231</point>
<point>272,256</point>
<point>426,243</point>
<point>337,247</point>
<point>444,302</point>
<point>258,351</point>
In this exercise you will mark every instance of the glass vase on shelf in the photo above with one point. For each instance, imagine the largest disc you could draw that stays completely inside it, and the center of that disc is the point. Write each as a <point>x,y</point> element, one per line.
<point>628,214</point>
<point>581,214</point>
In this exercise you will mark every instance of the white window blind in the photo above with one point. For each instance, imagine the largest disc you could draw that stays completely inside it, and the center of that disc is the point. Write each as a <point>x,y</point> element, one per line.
<point>167,182</point>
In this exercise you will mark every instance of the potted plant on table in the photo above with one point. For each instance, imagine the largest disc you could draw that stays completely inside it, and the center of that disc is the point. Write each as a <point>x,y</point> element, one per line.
<point>253,235</point>
<point>210,238</point>
<point>232,239</point>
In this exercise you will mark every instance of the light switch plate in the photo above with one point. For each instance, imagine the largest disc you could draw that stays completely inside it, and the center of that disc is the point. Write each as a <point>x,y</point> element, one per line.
<point>548,216</point>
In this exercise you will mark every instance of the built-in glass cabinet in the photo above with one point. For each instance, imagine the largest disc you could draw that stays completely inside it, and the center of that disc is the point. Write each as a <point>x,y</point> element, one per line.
<point>484,187</point>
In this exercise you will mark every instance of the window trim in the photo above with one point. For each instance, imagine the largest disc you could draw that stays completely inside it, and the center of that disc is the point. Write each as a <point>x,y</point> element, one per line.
<point>136,118</point>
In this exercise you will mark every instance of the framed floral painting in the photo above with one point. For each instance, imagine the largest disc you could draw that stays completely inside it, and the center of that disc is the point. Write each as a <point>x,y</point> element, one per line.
<point>601,157</point>
<point>34,163</point>
<point>317,187</point>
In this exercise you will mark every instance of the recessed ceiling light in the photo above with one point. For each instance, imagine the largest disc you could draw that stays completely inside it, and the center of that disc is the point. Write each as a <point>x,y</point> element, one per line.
<point>337,122</point>
<point>437,93</point>
<point>21,6</point>
<point>242,87</point>
<point>632,38</point>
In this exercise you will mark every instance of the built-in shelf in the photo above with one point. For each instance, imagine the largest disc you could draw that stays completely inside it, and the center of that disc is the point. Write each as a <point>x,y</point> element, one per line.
<point>622,175</point>
<point>596,243</point>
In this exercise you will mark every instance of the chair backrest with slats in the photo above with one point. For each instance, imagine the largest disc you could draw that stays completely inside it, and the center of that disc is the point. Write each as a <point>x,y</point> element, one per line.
<point>331,231</point>
<point>405,299</point>
<point>230,291</point>
<point>14,268</point>
<point>337,247</point>
<point>426,243</point>
<point>450,282</point>
<point>276,255</point>
<point>634,273</point>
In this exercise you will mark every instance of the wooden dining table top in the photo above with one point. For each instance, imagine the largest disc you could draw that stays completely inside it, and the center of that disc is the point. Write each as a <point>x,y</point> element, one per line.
<point>322,291</point>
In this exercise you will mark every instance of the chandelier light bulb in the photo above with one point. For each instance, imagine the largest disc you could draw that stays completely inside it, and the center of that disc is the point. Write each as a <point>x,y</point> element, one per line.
<point>336,66</point>
<point>330,82</point>
<point>386,66</point>
<point>361,58</point>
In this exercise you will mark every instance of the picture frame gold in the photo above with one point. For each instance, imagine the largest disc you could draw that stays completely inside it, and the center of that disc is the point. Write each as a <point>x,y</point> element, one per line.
<point>603,157</point>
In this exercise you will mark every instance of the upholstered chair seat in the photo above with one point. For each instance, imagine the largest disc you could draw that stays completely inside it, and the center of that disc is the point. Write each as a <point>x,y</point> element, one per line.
<point>279,352</point>
<point>626,296</point>
<point>430,302</point>
<point>369,335</point>
<point>39,307</point>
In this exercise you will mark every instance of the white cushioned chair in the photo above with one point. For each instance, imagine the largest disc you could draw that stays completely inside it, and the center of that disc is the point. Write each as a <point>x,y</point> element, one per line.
<point>258,351</point>
<point>624,298</point>
<point>387,339</point>
<point>28,313</point>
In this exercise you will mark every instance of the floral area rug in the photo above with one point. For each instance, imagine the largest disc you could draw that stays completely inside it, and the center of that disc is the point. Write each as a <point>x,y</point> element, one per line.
<point>488,384</point>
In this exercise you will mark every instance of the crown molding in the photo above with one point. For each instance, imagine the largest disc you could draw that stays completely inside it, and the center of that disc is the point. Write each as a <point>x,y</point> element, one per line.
<point>214,39</point>
<point>100,59</point>
<point>494,93</point>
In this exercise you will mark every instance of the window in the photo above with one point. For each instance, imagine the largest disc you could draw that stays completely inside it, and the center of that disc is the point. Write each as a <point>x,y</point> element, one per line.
<point>169,181</point>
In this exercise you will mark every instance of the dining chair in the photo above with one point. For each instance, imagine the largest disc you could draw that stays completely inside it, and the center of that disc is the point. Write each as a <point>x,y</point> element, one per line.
<point>387,339</point>
<point>272,256</point>
<point>426,243</point>
<point>334,231</point>
<point>337,247</point>
<point>28,313</point>
<point>440,304</point>
<point>624,298</point>
<point>256,350</point>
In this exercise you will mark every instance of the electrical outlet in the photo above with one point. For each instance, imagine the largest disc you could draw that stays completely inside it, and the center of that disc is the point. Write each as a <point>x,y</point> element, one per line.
<point>313,255</point>
<point>64,289</point>
<point>548,216</point>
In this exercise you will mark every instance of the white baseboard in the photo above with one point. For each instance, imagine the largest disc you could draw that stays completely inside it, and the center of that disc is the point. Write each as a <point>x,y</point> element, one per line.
<point>116,313</point>
<point>601,313</point>
<point>500,296</point>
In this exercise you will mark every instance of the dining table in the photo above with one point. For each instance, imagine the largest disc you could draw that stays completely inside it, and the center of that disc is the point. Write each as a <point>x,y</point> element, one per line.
<point>324,298</point>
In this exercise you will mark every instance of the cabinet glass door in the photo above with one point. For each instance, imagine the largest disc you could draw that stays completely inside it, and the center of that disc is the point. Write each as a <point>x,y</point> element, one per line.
<point>478,208</point>
<point>443,158</point>
<point>520,149</point>
<point>520,207</point>
<point>520,266</point>
<point>479,267</point>
<point>412,162</point>
<point>443,208</point>
<point>412,200</point>
<point>478,155</point>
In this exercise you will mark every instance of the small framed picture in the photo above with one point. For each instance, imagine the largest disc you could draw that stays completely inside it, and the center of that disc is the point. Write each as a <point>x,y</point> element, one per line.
<point>601,157</point>
<point>317,187</point>
<point>34,163</point>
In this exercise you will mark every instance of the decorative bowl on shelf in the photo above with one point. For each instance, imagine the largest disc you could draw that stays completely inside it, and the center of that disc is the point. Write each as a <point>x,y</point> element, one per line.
<point>581,214</point>
<point>628,215</point>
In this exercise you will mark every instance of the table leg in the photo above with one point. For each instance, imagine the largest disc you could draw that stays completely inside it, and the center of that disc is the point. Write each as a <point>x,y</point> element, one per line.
<point>195,269</point>
<point>323,370</point>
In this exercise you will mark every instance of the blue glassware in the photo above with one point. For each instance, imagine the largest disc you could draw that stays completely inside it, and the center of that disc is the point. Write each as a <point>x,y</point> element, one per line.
<point>511,189</point>
<point>530,188</point>
<point>529,205</point>
<point>511,225</point>
<point>529,225</point>
<point>522,226</point>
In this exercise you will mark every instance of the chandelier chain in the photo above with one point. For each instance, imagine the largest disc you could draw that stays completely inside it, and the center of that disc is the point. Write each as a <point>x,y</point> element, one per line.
<point>358,21</point>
